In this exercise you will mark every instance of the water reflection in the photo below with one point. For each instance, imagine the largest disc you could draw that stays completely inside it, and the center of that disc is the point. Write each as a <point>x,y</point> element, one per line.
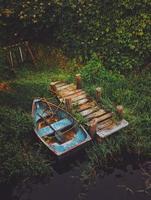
<point>123,182</point>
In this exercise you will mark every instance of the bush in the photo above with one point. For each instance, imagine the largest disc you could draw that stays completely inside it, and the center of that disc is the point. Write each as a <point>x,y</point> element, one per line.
<point>94,72</point>
<point>119,31</point>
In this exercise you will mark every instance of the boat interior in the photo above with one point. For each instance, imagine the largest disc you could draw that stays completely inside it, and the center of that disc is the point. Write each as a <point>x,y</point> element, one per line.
<point>54,126</point>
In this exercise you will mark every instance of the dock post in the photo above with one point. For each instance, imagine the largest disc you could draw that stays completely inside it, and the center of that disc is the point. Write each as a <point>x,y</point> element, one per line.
<point>78,81</point>
<point>53,87</point>
<point>98,93</point>
<point>68,104</point>
<point>92,127</point>
<point>120,111</point>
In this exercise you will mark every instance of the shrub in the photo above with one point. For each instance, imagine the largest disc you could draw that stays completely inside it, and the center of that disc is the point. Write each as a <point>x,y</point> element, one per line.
<point>119,31</point>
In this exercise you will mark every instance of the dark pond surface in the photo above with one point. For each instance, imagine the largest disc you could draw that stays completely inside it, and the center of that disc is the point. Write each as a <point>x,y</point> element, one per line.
<point>119,183</point>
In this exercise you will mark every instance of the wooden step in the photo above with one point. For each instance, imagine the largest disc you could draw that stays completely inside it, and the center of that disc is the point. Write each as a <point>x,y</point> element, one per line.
<point>104,117</point>
<point>101,118</point>
<point>76,96</point>
<point>64,94</point>
<point>60,85</point>
<point>96,114</point>
<point>83,96</point>
<point>89,111</point>
<point>56,82</point>
<point>109,126</point>
<point>68,86</point>
<point>104,124</point>
<point>86,106</point>
<point>112,128</point>
<point>81,101</point>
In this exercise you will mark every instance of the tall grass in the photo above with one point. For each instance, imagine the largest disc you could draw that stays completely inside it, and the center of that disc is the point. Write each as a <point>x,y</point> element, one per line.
<point>20,154</point>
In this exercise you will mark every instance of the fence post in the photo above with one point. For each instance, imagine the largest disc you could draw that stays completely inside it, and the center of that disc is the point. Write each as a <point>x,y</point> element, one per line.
<point>92,127</point>
<point>98,93</point>
<point>78,81</point>
<point>68,104</point>
<point>53,87</point>
<point>120,111</point>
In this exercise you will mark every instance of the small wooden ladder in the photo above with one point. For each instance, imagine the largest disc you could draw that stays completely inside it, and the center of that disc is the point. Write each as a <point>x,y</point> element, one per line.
<point>19,53</point>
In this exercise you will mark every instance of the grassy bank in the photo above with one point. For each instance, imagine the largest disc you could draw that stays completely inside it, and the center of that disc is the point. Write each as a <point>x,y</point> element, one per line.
<point>20,153</point>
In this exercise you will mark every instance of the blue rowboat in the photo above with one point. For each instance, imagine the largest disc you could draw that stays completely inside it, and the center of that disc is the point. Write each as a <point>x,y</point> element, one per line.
<point>56,128</point>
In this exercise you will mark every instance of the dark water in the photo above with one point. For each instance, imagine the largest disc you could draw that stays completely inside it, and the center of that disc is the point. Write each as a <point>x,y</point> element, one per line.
<point>126,183</point>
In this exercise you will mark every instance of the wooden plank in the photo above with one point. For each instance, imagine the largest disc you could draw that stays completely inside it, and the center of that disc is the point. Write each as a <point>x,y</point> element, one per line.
<point>102,118</point>
<point>68,86</point>
<point>89,111</point>
<point>75,94</point>
<point>108,127</point>
<point>30,51</point>
<point>67,90</point>
<point>56,82</point>
<point>60,84</point>
<point>81,101</point>
<point>83,96</point>
<point>65,93</point>
<point>21,53</point>
<point>105,123</point>
<point>86,106</point>
<point>106,132</point>
<point>96,114</point>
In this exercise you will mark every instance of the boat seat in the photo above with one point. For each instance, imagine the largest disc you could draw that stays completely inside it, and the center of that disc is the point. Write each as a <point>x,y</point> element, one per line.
<point>61,124</point>
<point>57,126</point>
<point>47,130</point>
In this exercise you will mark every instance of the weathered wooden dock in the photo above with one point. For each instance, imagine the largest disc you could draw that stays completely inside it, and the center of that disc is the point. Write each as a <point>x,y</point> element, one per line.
<point>99,121</point>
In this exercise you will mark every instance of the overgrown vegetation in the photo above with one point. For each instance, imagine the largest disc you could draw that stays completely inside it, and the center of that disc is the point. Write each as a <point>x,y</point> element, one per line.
<point>111,39</point>
<point>21,155</point>
<point>134,94</point>
<point>118,31</point>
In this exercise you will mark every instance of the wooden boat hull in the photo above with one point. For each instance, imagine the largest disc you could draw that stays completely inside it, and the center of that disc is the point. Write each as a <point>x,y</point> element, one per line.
<point>51,134</point>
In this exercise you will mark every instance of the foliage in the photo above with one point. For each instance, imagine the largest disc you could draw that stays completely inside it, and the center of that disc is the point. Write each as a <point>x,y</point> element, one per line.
<point>118,31</point>
<point>4,70</point>
<point>132,92</point>
<point>20,156</point>
<point>94,71</point>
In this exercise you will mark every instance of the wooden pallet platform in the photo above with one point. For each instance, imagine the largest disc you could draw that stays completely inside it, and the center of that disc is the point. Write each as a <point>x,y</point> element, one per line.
<point>88,108</point>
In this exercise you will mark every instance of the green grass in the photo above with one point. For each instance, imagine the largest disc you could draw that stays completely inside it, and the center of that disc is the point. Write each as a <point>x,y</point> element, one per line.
<point>133,92</point>
<point>20,153</point>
